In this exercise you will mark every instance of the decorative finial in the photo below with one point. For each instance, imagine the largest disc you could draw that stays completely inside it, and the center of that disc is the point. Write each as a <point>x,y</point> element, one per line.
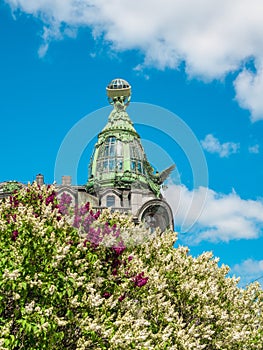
<point>119,93</point>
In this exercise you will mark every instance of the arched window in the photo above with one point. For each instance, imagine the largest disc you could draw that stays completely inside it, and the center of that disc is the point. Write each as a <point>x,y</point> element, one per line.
<point>110,157</point>
<point>136,156</point>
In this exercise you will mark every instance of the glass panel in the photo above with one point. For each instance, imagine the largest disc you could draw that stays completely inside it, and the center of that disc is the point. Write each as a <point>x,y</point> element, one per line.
<point>133,165</point>
<point>112,165</point>
<point>119,149</point>
<point>106,151</point>
<point>112,151</point>
<point>110,201</point>
<point>110,156</point>
<point>105,165</point>
<point>119,164</point>
<point>99,166</point>
<point>137,156</point>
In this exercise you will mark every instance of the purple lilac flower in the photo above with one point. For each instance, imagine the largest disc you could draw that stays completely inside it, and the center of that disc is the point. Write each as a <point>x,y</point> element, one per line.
<point>64,203</point>
<point>116,233</point>
<point>106,229</point>
<point>14,235</point>
<point>63,209</point>
<point>119,249</point>
<point>50,199</point>
<point>139,280</point>
<point>116,263</point>
<point>106,295</point>
<point>114,272</point>
<point>77,221</point>
<point>122,297</point>
<point>87,222</point>
<point>14,201</point>
<point>83,210</point>
<point>96,215</point>
<point>94,236</point>
<point>65,199</point>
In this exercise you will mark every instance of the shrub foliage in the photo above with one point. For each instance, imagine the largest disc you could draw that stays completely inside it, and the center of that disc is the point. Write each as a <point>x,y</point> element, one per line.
<point>75,280</point>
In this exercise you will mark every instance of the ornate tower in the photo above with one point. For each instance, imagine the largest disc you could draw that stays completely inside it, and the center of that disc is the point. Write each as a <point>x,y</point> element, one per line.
<point>120,175</point>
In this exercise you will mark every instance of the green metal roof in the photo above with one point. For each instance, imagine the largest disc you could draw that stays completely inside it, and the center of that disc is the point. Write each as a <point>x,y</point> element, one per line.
<point>119,159</point>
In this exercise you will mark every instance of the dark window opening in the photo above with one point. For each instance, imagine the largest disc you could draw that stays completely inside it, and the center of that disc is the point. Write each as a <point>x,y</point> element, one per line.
<point>110,201</point>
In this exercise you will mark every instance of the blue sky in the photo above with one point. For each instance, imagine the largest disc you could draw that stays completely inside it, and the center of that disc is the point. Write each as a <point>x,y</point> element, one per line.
<point>199,60</point>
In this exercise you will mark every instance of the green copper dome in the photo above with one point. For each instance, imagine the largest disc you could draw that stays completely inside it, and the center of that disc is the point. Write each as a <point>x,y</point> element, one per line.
<point>119,160</point>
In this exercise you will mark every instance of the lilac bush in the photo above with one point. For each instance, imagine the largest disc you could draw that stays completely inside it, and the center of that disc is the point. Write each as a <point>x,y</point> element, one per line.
<point>74,278</point>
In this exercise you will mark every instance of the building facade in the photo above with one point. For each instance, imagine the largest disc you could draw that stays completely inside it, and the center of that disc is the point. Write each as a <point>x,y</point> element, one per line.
<point>119,177</point>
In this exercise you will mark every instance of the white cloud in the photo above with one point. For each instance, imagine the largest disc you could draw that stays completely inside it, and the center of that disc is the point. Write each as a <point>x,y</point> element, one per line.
<point>212,37</point>
<point>249,270</point>
<point>212,145</point>
<point>249,87</point>
<point>254,149</point>
<point>211,216</point>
